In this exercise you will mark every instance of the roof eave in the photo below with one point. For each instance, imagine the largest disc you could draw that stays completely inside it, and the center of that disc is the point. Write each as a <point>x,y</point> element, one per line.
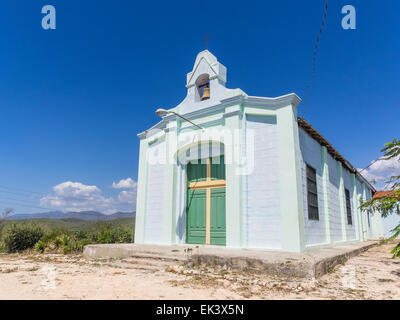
<point>331,150</point>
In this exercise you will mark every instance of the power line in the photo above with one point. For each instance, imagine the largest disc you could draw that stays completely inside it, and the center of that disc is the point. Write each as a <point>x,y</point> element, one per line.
<point>376,160</point>
<point>16,193</point>
<point>21,200</point>
<point>19,190</point>
<point>386,185</point>
<point>23,205</point>
<point>314,59</point>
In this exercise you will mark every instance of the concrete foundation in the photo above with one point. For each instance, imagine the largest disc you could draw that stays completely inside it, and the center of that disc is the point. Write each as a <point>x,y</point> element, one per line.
<point>309,264</point>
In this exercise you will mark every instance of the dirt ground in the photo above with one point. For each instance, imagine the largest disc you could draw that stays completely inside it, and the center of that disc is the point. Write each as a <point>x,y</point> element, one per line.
<point>371,275</point>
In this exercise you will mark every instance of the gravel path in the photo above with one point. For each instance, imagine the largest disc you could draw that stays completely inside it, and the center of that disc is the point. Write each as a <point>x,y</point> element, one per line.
<point>371,275</point>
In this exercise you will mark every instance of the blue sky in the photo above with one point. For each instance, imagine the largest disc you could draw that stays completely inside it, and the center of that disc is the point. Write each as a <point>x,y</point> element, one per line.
<point>73,99</point>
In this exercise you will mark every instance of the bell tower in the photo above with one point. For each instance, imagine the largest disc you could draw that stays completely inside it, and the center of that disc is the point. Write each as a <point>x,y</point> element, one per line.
<point>206,82</point>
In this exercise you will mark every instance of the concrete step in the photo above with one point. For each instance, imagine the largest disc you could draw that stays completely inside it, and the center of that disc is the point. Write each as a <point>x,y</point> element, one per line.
<point>149,263</point>
<point>307,264</point>
<point>153,261</point>
<point>158,257</point>
<point>119,251</point>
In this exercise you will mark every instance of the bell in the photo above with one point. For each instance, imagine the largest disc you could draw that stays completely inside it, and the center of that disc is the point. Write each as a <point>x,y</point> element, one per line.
<point>206,94</point>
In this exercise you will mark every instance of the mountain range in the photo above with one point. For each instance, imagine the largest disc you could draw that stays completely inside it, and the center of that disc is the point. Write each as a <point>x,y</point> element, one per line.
<point>82,215</point>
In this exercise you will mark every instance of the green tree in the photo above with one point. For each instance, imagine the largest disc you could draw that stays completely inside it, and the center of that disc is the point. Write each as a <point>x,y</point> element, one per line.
<point>389,202</point>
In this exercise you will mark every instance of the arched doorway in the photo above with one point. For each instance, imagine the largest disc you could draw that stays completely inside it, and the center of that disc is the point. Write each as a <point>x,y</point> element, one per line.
<point>205,205</point>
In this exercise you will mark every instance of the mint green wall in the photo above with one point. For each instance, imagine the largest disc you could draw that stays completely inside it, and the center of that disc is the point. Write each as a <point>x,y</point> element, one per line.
<point>291,188</point>
<point>333,224</point>
<point>261,212</point>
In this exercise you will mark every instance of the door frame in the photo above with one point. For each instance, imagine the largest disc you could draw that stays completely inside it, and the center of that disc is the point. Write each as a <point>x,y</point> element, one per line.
<point>207,185</point>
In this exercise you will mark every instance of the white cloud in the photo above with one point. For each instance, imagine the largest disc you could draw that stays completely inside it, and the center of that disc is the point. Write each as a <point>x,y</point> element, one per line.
<point>384,166</point>
<point>381,171</point>
<point>75,189</point>
<point>125,184</point>
<point>371,177</point>
<point>76,196</point>
<point>129,195</point>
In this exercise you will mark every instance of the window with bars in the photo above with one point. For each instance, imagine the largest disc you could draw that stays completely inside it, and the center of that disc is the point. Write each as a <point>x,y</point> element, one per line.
<point>348,206</point>
<point>312,194</point>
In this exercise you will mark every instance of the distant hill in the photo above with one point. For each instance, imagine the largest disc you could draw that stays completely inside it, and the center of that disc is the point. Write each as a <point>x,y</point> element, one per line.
<point>82,215</point>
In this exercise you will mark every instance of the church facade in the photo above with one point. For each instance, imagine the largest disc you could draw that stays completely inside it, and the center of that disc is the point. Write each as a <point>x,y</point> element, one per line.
<point>224,168</point>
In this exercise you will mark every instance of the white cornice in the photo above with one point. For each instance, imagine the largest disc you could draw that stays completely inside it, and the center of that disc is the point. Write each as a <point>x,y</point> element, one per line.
<point>159,125</point>
<point>240,99</point>
<point>281,101</point>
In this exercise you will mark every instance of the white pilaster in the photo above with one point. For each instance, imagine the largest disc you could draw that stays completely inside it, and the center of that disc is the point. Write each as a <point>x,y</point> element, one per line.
<point>342,202</point>
<point>233,178</point>
<point>170,184</point>
<point>325,187</point>
<point>291,188</point>
<point>140,219</point>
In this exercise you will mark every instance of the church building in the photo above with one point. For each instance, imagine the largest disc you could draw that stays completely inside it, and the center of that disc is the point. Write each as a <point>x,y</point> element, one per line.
<point>224,168</point>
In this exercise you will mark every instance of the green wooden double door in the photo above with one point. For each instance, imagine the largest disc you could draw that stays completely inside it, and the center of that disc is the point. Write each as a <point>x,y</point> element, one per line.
<point>206,214</point>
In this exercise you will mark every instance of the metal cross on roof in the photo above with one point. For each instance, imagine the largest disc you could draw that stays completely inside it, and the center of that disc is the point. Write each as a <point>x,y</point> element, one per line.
<point>206,40</point>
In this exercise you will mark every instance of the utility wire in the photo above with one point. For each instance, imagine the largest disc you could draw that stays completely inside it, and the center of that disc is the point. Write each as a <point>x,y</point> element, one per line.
<point>15,193</point>
<point>20,200</point>
<point>314,59</point>
<point>24,205</point>
<point>376,160</point>
<point>386,185</point>
<point>19,190</point>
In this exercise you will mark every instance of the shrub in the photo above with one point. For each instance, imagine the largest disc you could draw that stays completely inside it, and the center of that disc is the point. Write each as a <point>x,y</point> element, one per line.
<point>65,250</point>
<point>19,237</point>
<point>81,234</point>
<point>40,246</point>
<point>51,235</point>
<point>80,244</point>
<point>65,240</point>
<point>110,234</point>
<point>58,242</point>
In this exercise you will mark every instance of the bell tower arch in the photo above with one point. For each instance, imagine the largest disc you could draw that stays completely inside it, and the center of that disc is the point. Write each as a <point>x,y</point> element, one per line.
<point>203,87</point>
<point>205,83</point>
